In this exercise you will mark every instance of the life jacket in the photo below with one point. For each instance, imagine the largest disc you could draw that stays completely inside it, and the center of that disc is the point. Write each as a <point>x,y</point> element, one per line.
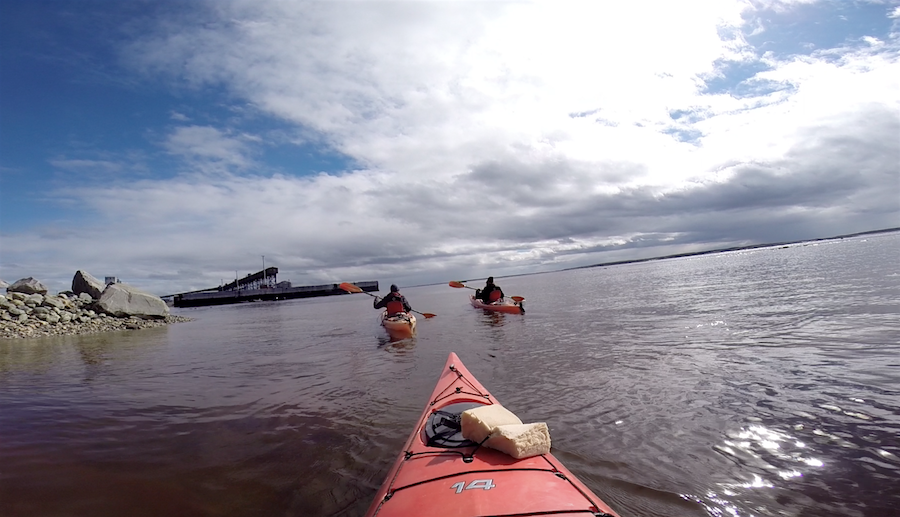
<point>495,295</point>
<point>394,307</point>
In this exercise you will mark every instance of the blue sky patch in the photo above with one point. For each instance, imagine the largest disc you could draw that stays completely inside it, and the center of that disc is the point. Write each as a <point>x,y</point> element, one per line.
<point>686,135</point>
<point>807,28</point>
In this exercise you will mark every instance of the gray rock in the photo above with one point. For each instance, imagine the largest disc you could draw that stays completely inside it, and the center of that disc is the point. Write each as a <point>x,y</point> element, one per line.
<point>122,300</point>
<point>54,301</point>
<point>85,298</point>
<point>83,282</point>
<point>33,300</point>
<point>3,284</point>
<point>27,286</point>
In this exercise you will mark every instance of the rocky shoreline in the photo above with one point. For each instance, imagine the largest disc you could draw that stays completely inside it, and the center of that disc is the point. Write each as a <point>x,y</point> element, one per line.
<point>101,323</point>
<point>28,311</point>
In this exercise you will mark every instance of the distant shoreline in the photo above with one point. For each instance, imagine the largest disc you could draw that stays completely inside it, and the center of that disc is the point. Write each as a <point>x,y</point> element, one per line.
<point>690,254</point>
<point>733,248</point>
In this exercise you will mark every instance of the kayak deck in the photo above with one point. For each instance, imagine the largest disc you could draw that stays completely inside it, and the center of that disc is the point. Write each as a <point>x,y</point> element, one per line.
<point>399,326</point>
<point>504,305</point>
<point>441,473</point>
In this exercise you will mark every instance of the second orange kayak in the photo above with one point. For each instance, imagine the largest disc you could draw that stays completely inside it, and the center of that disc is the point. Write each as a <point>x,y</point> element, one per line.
<point>399,326</point>
<point>440,473</point>
<point>507,305</point>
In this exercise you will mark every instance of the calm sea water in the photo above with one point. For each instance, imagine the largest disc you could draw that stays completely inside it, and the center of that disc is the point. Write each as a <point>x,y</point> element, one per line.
<point>761,383</point>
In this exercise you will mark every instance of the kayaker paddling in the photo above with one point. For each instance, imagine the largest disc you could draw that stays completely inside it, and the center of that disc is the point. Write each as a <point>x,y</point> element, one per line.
<point>396,318</point>
<point>350,288</point>
<point>491,292</point>
<point>513,304</point>
<point>394,302</point>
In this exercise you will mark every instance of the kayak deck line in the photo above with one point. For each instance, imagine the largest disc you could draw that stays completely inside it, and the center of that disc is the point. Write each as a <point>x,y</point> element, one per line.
<point>459,391</point>
<point>439,468</point>
<point>480,471</point>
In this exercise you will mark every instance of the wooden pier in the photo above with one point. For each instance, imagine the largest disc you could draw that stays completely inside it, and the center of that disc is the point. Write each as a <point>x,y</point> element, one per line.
<point>255,287</point>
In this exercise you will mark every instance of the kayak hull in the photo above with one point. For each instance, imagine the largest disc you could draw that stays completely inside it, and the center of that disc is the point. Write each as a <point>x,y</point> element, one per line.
<point>505,305</point>
<point>440,473</point>
<point>399,326</point>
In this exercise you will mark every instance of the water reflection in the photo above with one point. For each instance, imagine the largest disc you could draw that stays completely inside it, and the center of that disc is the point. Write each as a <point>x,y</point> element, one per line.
<point>770,457</point>
<point>493,319</point>
<point>397,345</point>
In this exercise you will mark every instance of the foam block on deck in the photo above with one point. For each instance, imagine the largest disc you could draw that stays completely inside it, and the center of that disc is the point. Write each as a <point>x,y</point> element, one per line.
<point>521,440</point>
<point>478,423</point>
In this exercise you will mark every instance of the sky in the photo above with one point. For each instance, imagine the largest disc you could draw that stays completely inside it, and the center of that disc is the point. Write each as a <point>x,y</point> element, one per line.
<point>176,145</point>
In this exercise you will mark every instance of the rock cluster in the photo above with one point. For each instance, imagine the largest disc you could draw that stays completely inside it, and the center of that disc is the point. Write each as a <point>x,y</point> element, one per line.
<point>27,310</point>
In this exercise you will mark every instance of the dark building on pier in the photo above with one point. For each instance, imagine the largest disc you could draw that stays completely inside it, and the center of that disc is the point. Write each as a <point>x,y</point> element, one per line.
<point>262,285</point>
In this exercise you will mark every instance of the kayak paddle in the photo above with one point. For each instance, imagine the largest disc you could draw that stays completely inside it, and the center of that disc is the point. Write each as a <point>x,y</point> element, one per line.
<point>350,288</point>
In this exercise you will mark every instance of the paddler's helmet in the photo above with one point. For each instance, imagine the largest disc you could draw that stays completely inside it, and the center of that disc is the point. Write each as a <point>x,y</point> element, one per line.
<point>394,288</point>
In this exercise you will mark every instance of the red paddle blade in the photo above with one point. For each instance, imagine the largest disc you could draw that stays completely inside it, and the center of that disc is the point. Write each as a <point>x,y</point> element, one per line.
<point>457,285</point>
<point>350,288</point>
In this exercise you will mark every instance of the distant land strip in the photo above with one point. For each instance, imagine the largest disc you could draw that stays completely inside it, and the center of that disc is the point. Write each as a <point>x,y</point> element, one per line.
<point>691,254</point>
<point>733,248</point>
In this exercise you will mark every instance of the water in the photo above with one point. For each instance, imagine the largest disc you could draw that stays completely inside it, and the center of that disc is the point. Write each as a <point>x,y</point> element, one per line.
<point>763,382</point>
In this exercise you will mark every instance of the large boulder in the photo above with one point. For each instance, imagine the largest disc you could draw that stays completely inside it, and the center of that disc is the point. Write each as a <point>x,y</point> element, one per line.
<point>3,284</point>
<point>27,286</point>
<point>123,300</point>
<point>83,282</point>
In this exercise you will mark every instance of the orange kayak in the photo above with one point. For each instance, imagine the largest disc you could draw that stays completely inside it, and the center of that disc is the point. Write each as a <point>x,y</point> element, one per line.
<point>504,305</point>
<point>441,473</point>
<point>399,326</point>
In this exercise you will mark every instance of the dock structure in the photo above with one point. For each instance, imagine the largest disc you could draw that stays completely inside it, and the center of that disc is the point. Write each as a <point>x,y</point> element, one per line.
<point>259,286</point>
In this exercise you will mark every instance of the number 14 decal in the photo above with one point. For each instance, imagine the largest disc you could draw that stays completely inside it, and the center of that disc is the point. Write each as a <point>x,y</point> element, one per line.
<point>485,484</point>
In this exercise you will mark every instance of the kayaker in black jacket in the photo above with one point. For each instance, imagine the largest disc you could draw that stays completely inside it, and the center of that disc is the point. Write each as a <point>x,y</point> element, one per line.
<point>394,302</point>
<point>489,287</point>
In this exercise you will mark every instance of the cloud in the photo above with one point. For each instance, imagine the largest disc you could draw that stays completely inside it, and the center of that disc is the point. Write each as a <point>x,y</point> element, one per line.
<point>488,138</point>
<point>363,224</point>
<point>75,165</point>
<point>209,144</point>
<point>395,86</point>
